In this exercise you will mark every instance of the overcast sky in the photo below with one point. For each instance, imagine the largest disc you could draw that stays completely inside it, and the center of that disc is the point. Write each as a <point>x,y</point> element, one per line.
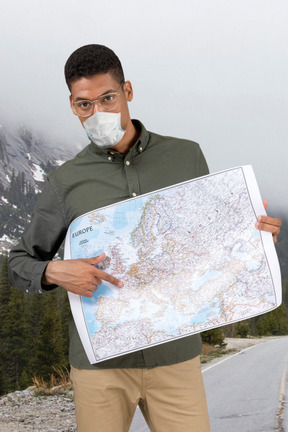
<point>214,71</point>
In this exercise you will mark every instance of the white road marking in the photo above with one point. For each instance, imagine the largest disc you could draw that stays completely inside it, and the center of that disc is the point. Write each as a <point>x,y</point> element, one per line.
<point>280,427</point>
<point>230,357</point>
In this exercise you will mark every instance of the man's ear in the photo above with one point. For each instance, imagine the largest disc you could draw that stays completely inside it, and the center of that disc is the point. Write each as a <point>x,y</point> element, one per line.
<point>128,90</point>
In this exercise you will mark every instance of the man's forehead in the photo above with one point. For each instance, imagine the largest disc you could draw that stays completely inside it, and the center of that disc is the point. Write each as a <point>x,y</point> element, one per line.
<point>100,83</point>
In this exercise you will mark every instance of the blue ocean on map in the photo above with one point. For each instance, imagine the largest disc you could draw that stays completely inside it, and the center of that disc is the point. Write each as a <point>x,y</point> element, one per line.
<point>211,275</point>
<point>121,218</point>
<point>207,311</point>
<point>90,304</point>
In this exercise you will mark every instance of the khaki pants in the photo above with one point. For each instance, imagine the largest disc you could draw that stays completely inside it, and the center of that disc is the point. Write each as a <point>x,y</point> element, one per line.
<point>171,398</point>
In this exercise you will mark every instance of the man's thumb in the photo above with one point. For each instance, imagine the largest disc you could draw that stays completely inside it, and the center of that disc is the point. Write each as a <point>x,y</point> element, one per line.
<point>95,260</point>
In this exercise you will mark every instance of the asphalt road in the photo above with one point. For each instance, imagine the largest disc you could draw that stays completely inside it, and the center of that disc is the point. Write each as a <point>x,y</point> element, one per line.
<point>246,392</point>
<point>139,424</point>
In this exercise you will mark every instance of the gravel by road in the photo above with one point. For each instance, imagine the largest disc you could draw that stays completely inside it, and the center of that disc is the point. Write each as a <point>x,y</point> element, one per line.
<point>24,411</point>
<point>239,344</point>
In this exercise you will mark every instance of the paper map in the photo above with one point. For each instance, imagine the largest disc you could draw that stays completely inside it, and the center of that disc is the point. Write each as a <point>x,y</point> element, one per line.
<point>190,259</point>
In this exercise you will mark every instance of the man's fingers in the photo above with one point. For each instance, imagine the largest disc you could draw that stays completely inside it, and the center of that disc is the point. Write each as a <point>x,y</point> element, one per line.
<point>94,260</point>
<point>79,276</point>
<point>270,220</point>
<point>274,229</point>
<point>98,281</point>
<point>108,278</point>
<point>100,274</point>
<point>86,293</point>
<point>90,288</point>
<point>269,224</point>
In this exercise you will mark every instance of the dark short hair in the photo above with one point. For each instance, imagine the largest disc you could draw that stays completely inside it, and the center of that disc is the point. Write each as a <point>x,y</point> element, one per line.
<point>90,60</point>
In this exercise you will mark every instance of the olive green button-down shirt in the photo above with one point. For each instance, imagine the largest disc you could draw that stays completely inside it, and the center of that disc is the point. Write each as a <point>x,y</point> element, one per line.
<point>96,178</point>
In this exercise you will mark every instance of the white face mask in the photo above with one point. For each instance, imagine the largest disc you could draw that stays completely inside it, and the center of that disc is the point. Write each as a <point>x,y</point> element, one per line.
<point>104,129</point>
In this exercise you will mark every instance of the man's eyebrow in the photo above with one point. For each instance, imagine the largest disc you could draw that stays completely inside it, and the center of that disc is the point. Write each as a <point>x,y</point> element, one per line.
<point>103,94</point>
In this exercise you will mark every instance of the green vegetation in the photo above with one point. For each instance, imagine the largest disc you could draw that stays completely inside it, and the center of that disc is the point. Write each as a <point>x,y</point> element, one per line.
<point>214,337</point>
<point>33,335</point>
<point>210,352</point>
<point>273,323</point>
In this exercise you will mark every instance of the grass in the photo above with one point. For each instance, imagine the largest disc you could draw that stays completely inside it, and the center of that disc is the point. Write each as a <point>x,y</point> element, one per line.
<point>210,352</point>
<point>58,383</point>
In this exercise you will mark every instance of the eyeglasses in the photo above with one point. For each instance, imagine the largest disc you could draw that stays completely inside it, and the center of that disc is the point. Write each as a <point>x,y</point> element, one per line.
<point>107,102</point>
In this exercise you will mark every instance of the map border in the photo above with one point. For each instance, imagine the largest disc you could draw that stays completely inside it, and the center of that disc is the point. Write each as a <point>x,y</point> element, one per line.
<point>76,303</point>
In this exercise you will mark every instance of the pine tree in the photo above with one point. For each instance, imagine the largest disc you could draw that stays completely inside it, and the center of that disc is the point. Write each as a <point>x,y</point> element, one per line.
<point>49,346</point>
<point>274,323</point>
<point>65,314</point>
<point>5,293</point>
<point>35,305</point>
<point>14,336</point>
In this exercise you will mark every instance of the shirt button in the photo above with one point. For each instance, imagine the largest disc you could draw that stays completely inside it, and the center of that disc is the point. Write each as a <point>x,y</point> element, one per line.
<point>140,149</point>
<point>134,194</point>
<point>128,163</point>
<point>109,158</point>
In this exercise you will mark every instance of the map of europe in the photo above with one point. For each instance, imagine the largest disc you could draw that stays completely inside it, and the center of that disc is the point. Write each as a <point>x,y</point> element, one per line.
<point>190,259</point>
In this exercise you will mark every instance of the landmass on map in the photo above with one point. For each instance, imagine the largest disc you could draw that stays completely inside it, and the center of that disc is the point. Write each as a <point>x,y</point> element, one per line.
<point>190,259</point>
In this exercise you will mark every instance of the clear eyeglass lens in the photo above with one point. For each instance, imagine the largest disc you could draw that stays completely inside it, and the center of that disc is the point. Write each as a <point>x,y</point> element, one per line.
<point>106,102</point>
<point>83,108</point>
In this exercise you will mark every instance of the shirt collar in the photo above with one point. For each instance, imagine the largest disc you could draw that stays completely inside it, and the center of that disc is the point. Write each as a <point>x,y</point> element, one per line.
<point>143,138</point>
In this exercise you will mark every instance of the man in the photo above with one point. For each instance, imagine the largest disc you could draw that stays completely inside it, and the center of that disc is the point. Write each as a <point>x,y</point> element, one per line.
<point>123,160</point>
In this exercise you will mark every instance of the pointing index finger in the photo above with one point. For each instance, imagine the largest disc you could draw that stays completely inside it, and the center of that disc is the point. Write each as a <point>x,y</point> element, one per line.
<point>107,277</point>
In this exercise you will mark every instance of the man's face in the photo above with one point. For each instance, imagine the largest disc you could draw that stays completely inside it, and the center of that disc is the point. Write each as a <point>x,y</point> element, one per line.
<point>91,88</point>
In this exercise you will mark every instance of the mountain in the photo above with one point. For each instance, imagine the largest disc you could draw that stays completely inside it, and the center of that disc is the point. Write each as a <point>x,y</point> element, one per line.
<point>26,157</point>
<point>28,152</point>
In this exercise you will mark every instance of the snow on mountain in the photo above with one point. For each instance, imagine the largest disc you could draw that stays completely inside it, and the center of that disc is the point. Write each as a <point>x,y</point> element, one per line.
<point>26,158</point>
<point>27,152</point>
<point>38,173</point>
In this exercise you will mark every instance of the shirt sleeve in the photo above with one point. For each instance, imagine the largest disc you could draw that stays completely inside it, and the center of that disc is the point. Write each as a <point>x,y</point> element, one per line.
<point>203,167</point>
<point>39,244</point>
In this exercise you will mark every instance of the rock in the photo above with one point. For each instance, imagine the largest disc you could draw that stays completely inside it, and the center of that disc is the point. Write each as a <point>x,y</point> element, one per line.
<point>24,411</point>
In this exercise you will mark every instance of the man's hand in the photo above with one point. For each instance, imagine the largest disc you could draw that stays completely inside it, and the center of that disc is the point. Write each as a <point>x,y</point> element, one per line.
<point>270,224</point>
<point>78,276</point>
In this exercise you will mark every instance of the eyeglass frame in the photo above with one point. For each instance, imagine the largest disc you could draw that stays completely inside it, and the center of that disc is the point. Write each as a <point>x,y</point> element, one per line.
<point>96,101</point>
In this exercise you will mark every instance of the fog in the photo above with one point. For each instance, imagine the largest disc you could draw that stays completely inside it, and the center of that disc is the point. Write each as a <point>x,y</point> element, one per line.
<point>211,71</point>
